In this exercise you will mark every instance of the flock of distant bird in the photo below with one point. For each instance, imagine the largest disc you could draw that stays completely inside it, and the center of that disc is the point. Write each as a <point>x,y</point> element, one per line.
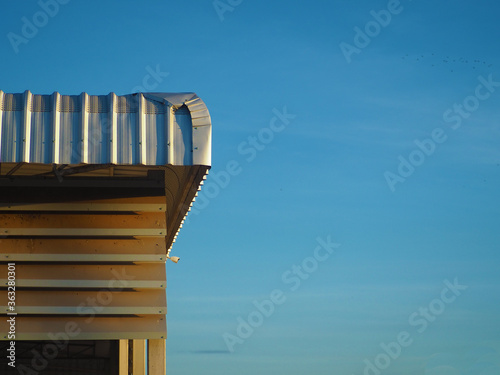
<point>436,61</point>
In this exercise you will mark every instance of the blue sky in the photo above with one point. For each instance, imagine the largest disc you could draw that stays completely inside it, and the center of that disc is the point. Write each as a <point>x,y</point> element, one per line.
<point>403,239</point>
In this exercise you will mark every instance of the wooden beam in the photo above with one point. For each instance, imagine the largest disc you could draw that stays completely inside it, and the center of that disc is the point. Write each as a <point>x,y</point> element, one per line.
<point>123,357</point>
<point>14,170</point>
<point>76,182</point>
<point>92,284</point>
<point>74,310</point>
<point>86,327</point>
<point>79,194</point>
<point>157,363</point>
<point>138,357</point>
<point>10,247</point>
<point>61,170</point>
<point>98,302</point>
<point>87,258</point>
<point>83,207</point>
<point>85,220</point>
<point>79,232</point>
<point>146,275</point>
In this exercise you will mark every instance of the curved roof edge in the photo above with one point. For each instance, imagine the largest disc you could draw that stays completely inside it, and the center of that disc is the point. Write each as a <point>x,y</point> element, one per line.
<point>201,121</point>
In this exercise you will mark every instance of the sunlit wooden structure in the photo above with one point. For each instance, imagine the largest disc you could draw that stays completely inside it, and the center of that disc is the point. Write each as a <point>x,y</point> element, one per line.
<point>93,191</point>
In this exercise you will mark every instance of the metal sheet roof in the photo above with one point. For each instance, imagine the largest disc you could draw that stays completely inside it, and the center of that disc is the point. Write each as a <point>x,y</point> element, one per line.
<point>108,136</point>
<point>137,129</point>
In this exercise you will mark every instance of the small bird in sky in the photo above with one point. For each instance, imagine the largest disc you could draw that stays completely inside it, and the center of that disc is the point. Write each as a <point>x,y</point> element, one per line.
<point>450,60</point>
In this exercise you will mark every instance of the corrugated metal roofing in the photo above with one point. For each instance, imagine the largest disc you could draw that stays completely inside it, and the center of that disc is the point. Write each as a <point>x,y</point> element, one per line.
<point>109,136</point>
<point>136,129</point>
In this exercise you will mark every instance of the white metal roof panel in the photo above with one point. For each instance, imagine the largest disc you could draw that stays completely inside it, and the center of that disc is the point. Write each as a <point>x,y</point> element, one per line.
<point>137,129</point>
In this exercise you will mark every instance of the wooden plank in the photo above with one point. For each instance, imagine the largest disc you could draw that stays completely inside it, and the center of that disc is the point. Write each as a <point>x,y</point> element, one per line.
<point>74,310</point>
<point>148,275</point>
<point>15,169</point>
<point>81,207</point>
<point>144,173</point>
<point>88,258</point>
<point>157,361</point>
<point>94,284</point>
<point>78,232</point>
<point>77,182</point>
<point>138,349</point>
<point>136,177</point>
<point>90,246</point>
<point>90,272</point>
<point>61,328</point>
<point>63,196</point>
<point>86,303</point>
<point>123,357</point>
<point>85,220</point>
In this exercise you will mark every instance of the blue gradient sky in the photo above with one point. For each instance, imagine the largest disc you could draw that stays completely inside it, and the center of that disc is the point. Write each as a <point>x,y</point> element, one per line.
<point>323,175</point>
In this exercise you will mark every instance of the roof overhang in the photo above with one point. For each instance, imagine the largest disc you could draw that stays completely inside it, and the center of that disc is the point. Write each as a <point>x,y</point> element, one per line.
<point>63,139</point>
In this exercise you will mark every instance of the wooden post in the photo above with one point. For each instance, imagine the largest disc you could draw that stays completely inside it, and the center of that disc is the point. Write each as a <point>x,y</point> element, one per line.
<point>157,364</point>
<point>122,357</point>
<point>137,357</point>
